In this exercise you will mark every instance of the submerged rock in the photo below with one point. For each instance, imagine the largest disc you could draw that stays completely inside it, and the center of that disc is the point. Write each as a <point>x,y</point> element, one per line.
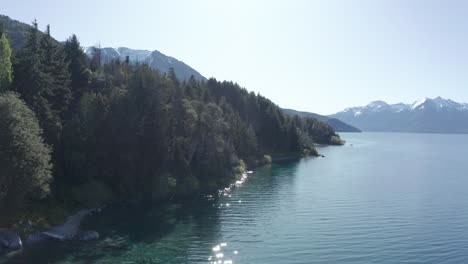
<point>10,239</point>
<point>88,235</point>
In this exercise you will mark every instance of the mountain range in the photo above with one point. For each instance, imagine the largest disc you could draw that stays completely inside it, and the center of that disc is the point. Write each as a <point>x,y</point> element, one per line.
<point>155,60</point>
<point>437,115</point>
<point>338,125</point>
<point>18,31</point>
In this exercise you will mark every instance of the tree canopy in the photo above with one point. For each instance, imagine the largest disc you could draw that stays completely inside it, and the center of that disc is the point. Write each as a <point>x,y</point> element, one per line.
<point>25,168</point>
<point>132,130</point>
<point>6,70</point>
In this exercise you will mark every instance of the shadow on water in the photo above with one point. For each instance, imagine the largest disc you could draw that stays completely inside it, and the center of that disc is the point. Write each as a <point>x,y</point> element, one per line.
<point>137,232</point>
<point>178,232</point>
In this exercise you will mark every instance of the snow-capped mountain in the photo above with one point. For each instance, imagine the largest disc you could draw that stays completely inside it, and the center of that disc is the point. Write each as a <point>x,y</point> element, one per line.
<point>155,60</point>
<point>436,115</point>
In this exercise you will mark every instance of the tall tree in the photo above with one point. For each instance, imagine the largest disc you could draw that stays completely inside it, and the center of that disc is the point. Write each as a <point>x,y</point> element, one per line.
<point>55,66</point>
<point>77,66</point>
<point>6,72</point>
<point>25,168</point>
<point>35,84</point>
<point>96,59</point>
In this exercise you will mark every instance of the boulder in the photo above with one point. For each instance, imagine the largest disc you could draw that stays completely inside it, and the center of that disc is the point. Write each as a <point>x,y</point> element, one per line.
<point>70,229</point>
<point>35,237</point>
<point>88,235</point>
<point>10,240</point>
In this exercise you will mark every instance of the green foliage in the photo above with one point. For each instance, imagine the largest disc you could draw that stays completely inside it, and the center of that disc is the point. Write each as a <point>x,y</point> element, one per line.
<point>54,66</point>
<point>25,169</point>
<point>335,140</point>
<point>267,159</point>
<point>17,31</point>
<point>126,131</point>
<point>77,67</point>
<point>35,85</point>
<point>6,72</point>
<point>239,169</point>
<point>26,225</point>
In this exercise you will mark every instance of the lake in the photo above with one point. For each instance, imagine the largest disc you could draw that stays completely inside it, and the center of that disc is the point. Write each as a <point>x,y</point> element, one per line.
<point>381,198</point>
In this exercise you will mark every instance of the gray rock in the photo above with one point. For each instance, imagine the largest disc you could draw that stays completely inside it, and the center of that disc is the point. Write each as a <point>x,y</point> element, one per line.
<point>69,230</point>
<point>35,237</point>
<point>88,235</point>
<point>10,239</point>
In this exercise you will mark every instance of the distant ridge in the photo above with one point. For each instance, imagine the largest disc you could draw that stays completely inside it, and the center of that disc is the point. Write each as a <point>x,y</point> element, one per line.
<point>437,115</point>
<point>155,60</point>
<point>338,125</point>
<point>17,33</point>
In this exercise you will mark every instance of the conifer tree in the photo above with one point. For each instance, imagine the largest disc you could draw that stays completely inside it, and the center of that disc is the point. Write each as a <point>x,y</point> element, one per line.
<point>77,62</point>
<point>96,59</point>
<point>54,65</point>
<point>35,84</point>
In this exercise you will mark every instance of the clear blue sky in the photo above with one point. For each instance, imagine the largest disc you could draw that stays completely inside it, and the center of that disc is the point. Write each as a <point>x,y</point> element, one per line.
<point>319,56</point>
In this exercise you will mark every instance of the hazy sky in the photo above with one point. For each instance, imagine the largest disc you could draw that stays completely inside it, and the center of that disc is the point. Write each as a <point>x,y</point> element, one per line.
<point>319,56</point>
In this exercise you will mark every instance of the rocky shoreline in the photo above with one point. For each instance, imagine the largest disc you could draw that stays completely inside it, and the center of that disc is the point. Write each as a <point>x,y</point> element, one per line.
<point>70,230</point>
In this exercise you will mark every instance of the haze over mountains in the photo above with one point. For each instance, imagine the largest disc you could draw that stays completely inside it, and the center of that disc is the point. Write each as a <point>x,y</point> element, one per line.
<point>338,125</point>
<point>437,115</point>
<point>18,31</point>
<point>155,60</point>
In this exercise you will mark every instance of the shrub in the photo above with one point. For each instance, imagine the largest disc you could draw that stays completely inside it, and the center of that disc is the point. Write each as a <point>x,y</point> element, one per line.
<point>267,159</point>
<point>335,140</point>
<point>239,169</point>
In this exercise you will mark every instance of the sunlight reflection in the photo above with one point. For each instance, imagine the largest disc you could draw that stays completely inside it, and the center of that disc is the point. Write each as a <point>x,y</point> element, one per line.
<point>226,192</point>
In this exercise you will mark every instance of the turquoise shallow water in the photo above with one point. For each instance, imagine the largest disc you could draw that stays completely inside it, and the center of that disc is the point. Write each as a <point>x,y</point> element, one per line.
<point>381,198</point>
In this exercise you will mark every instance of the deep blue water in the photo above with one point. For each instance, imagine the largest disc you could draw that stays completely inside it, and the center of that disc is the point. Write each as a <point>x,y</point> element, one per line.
<point>381,198</point>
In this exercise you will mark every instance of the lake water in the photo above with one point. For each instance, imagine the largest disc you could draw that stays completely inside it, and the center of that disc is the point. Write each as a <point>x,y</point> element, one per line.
<point>381,198</point>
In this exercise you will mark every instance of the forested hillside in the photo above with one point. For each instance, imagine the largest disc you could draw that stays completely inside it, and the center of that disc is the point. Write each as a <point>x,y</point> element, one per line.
<point>17,31</point>
<point>338,125</point>
<point>77,131</point>
<point>155,59</point>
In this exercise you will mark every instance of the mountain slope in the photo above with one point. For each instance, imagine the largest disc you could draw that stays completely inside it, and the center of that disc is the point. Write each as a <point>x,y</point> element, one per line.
<point>155,60</point>
<point>17,32</point>
<point>338,125</point>
<point>427,115</point>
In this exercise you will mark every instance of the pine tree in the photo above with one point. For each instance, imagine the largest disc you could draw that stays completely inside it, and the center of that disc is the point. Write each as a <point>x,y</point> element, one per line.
<point>54,65</point>
<point>29,76</point>
<point>80,75</point>
<point>6,72</point>
<point>96,59</point>
<point>35,84</point>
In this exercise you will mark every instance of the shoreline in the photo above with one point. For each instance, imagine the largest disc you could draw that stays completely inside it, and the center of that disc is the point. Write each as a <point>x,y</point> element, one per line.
<point>70,230</point>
